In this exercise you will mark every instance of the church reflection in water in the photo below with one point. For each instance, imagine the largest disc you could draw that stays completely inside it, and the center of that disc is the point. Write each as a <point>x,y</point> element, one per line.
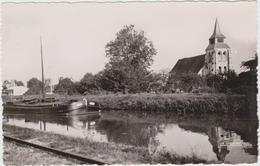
<point>220,140</point>
<point>224,141</point>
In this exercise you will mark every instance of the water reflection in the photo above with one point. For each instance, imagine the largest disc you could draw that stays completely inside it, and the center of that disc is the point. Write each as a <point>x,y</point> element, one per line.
<point>75,125</point>
<point>220,140</point>
<point>230,141</point>
<point>127,132</point>
<point>228,146</point>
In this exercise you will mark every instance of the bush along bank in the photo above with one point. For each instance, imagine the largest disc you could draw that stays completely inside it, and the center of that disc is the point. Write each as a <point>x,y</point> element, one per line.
<point>179,103</point>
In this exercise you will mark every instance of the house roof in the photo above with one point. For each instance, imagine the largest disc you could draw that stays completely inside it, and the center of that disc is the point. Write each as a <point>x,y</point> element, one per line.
<point>216,32</point>
<point>189,65</point>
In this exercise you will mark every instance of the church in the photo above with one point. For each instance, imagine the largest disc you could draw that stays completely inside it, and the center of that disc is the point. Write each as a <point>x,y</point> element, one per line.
<point>216,59</point>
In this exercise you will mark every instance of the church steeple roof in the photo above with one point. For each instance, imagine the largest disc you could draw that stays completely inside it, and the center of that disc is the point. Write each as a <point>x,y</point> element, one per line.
<point>216,32</point>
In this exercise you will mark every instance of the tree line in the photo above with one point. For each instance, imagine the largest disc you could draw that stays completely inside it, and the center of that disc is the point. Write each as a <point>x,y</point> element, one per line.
<point>128,70</point>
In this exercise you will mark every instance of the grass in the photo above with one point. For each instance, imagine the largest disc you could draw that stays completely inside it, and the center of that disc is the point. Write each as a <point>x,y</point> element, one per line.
<point>178,103</point>
<point>107,152</point>
<point>16,154</point>
<point>166,157</point>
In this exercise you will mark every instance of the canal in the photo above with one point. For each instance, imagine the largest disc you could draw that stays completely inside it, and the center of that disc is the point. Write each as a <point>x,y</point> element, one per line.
<point>211,137</point>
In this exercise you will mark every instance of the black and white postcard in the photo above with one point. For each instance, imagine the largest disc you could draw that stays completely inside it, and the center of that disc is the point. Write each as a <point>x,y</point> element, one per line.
<point>129,82</point>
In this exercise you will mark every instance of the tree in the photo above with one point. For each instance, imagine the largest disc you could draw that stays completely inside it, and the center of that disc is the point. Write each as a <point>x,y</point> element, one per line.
<point>130,57</point>
<point>5,84</point>
<point>78,87</point>
<point>231,82</point>
<point>101,81</point>
<point>215,81</point>
<point>34,86</point>
<point>158,81</point>
<point>106,81</point>
<point>65,85</point>
<point>248,83</point>
<point>250,64</point>
<point>248,78</point>
<point>185,81</point>
<point>88,83</point>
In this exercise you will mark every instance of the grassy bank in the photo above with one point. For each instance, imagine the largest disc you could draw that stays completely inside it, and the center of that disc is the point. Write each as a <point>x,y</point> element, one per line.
<point>107,152</point>
<point>186,102</point>
<point>15,154</point>
<point>179,103</point>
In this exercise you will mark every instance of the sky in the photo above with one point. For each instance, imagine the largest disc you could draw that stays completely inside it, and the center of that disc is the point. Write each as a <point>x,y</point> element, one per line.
<point>74,35</point>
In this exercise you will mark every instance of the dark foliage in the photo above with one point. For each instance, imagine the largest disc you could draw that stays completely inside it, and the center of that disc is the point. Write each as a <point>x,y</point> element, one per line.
<point>65,86</point>
<point>216,82</point>
<point>250,64</point>
<point>130,56</point>
<point>185,82</point>
<point>34,87</point>
<point>158,81</point>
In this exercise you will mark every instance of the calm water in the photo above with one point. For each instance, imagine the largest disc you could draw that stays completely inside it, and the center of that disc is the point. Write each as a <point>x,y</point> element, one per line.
<point>219,139</point>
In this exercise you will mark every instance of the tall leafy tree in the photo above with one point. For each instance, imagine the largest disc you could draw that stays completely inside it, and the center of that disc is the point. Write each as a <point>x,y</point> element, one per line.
<point>34,86</point>
<point>65,85</point>
<point>130,57</point>
<point>88,84</point>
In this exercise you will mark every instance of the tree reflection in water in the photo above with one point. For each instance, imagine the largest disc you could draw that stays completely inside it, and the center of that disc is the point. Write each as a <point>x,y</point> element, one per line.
<point>126,132</point>
<point>226,139</point>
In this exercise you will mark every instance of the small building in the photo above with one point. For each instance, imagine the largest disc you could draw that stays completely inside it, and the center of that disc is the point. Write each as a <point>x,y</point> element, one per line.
<point>13,90</point>
<point>18,90</point>
<point>216,60</point>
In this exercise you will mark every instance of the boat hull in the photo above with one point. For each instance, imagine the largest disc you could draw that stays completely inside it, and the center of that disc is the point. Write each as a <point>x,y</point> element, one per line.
<point>49,107</point>
<point>36,109</point>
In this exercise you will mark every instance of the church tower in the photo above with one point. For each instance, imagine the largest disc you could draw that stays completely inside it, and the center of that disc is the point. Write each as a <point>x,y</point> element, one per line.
<point>217,58</point>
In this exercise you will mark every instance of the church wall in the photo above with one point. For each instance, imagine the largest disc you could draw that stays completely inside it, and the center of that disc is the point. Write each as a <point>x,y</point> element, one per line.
<point>215,61</point>
<point>209,62</point>
<point>222,60</point>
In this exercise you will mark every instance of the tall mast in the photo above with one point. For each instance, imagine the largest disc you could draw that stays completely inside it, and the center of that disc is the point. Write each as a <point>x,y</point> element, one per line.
<point>43,90</point>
